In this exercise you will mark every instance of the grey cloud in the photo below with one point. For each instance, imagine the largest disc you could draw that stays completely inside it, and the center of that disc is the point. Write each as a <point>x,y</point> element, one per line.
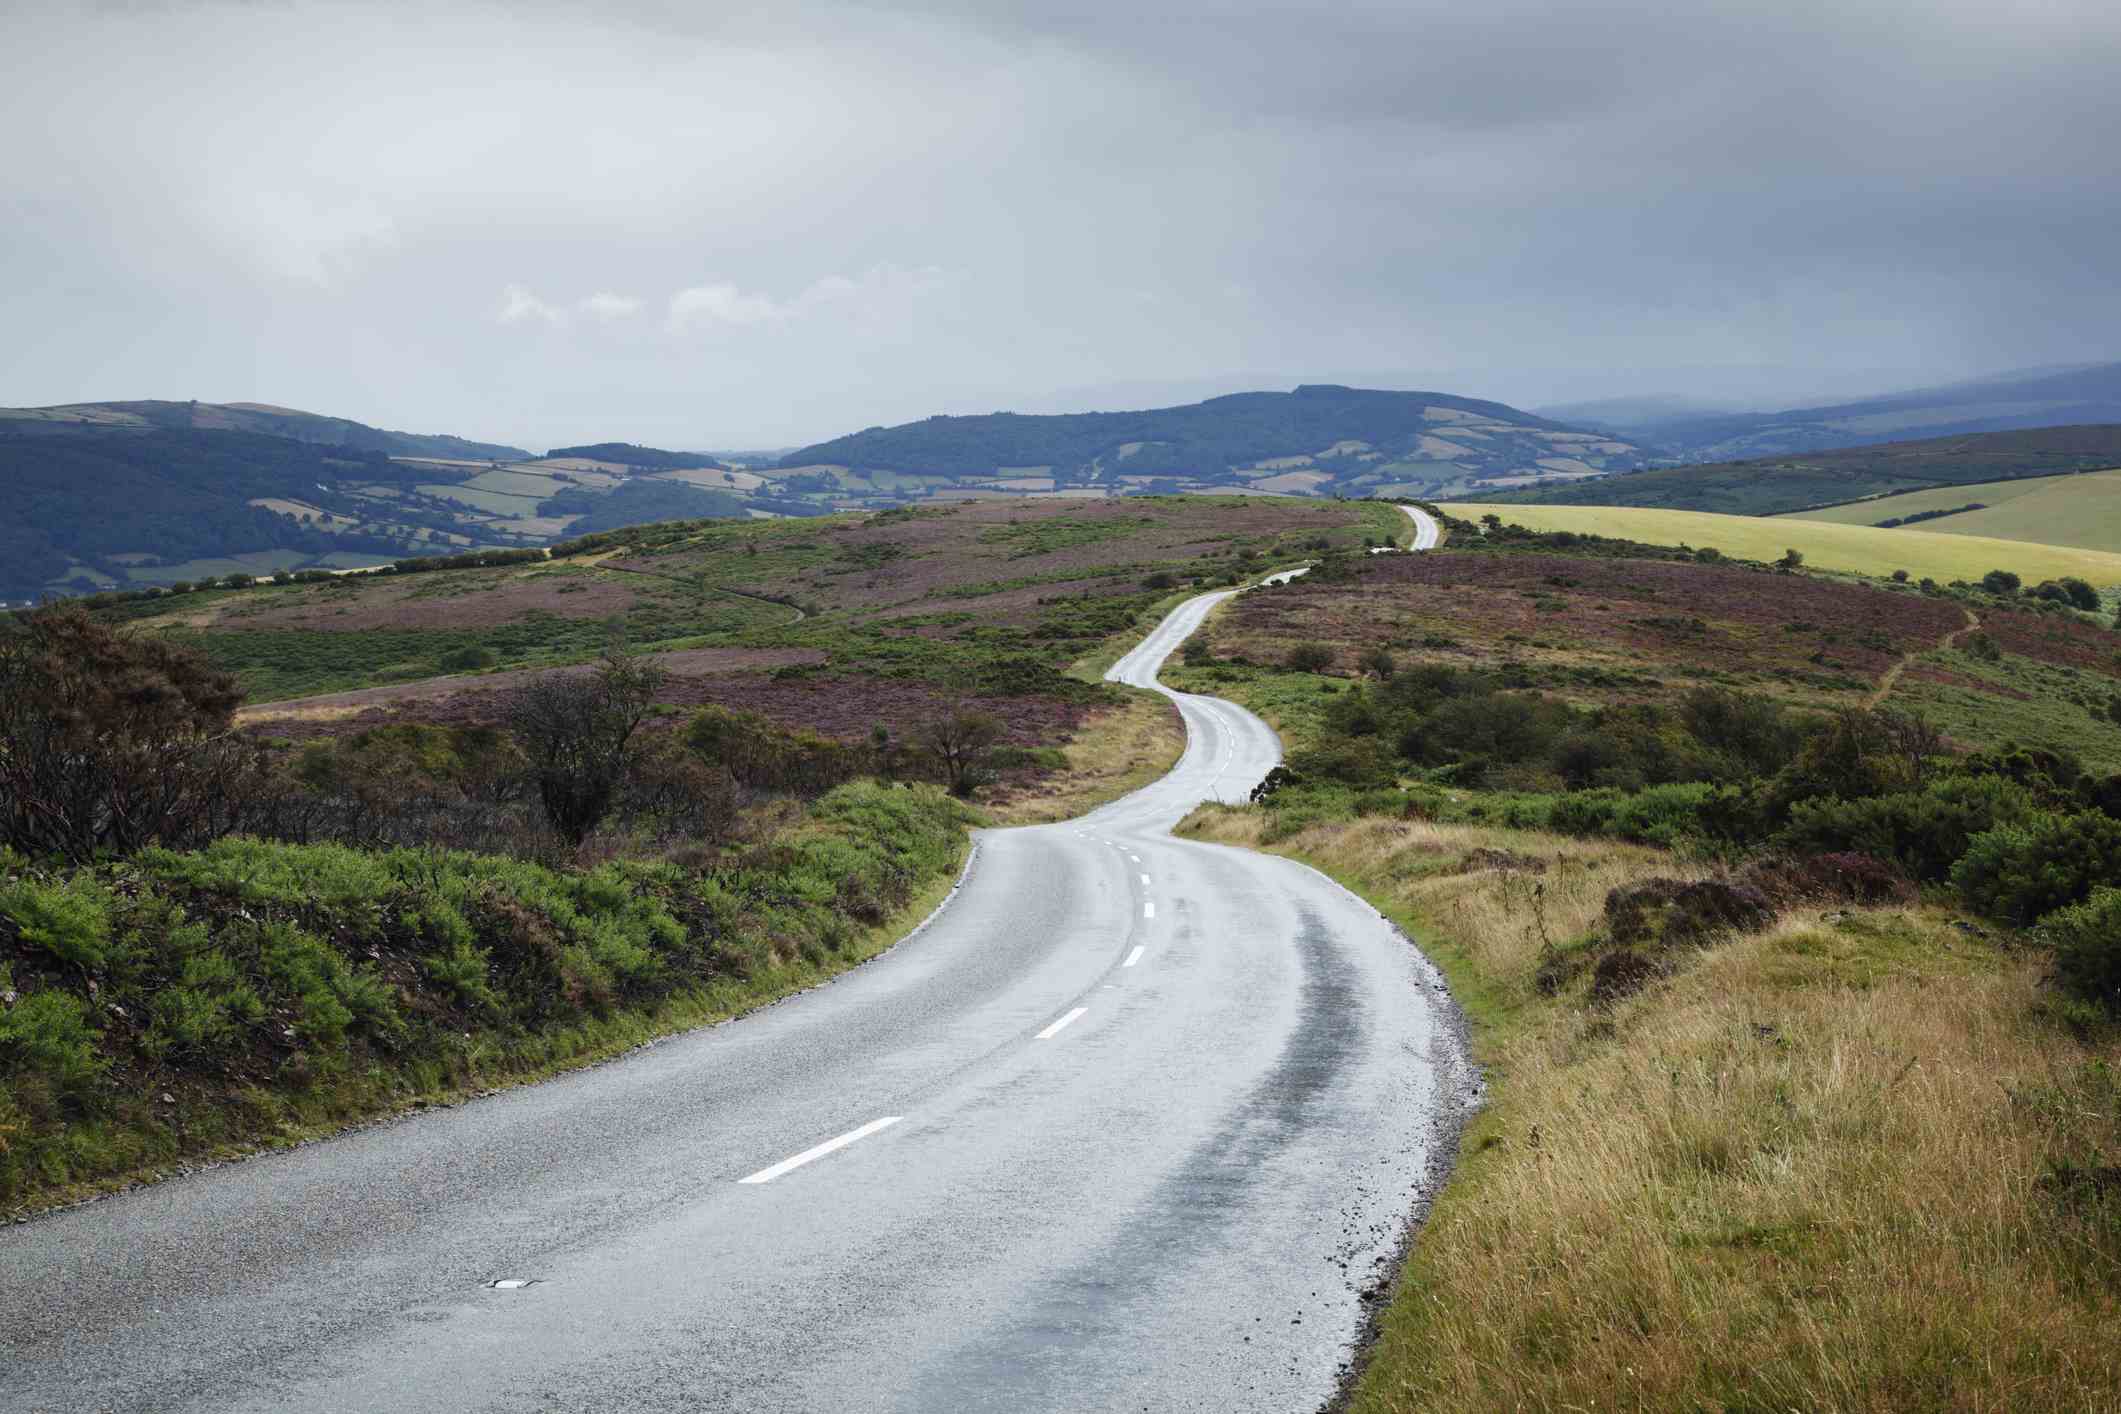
<point>703,225</point>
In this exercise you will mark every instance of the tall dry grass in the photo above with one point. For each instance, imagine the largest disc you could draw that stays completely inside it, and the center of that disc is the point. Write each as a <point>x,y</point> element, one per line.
<point>1855,1162</point>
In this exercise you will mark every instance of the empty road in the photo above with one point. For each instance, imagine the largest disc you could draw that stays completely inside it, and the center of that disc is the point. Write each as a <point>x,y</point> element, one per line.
<point>1130,1124</point>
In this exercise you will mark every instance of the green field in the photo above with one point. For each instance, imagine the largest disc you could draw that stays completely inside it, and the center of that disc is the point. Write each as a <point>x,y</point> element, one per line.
<point>518,483</point>
<point>2082,511</point>
<point>492,502</point>
<point>257,562</point>
<point>1857,549</point>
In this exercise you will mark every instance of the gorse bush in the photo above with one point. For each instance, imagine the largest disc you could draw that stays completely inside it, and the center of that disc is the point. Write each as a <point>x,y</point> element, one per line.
<point>2020,872</point>
<point>2087,941</point>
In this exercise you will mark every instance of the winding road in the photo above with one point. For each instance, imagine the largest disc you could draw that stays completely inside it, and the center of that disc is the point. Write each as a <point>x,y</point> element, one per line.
<point>1133,1122</point>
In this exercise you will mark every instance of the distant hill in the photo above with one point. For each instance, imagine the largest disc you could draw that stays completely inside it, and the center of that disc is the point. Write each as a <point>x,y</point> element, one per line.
<point>627,454</point>
<point>1772,485</point>
<point>2039,397</point>
<point>248,417</point>
<point>1318,440</point>
<point>119,505</point>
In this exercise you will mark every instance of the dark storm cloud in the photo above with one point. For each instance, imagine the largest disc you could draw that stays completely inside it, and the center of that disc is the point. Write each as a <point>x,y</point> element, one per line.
<point>722,225</point>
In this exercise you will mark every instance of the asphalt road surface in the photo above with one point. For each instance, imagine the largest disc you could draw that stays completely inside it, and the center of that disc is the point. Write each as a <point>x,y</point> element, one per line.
<point>1131,1123</point>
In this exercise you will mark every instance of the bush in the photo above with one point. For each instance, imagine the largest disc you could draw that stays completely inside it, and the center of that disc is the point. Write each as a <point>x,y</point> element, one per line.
<point>2001,582</point>
<point>577,730</point>
<point>1829,878</point>
<point>71,921</point>
<point>2019,873</point>
<point>109,742</point>
<point>1309,658</point>
<point>1924,833</point>
<point>46,1034</point>
<point>468,659</point>
<point>1670,913</point>
<point>2087,939</point>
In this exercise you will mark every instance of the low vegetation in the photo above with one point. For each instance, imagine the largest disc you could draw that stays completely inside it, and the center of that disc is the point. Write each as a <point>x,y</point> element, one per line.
<point>1800,1010</point>
<point>183,1004</point>
<point>1781,1137</point>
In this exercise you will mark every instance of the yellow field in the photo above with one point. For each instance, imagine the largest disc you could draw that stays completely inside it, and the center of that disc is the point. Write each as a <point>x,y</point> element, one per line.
<point>1860,549</point>
<point>2082,511</point>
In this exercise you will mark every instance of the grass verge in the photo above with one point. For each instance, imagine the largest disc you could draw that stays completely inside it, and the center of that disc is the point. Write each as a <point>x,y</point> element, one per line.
<point>1859,1159</point>
<point>1111,754</point>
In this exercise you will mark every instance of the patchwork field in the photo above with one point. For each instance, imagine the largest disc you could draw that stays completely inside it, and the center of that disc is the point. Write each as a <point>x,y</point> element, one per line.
<point>2082,511</point>
<point>1857,549</point>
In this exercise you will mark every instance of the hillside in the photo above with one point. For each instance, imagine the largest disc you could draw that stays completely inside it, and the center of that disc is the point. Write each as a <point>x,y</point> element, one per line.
<point>153,415</point>
<point>628,455</point>
<point>824,623</point>
<point>1318,440</point>
<point>1855,549</point>
<point>2082,509</point>
<point>2042,397</point>
<point>93,504</point>
<point>1774,485</point>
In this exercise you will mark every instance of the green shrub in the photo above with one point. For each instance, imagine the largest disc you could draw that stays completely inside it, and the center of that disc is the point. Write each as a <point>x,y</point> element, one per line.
<point>1925,833</point>
<point>467,659</point>
<point>71,920</point>
<point>2001,582</point>
<point>1309,658</point>
<point>2021,872</point>
<point>203,1015</point>
<point>2087,939</point>
<point>46,1034</point>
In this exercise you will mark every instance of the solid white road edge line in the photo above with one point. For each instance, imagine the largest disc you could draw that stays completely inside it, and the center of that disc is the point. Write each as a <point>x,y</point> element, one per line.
<point>768,1175</point>
<point>1051,1031</point>
<point>1133,957</point>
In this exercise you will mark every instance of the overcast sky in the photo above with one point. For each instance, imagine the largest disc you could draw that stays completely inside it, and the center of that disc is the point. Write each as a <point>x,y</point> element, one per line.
<point>703,225</point>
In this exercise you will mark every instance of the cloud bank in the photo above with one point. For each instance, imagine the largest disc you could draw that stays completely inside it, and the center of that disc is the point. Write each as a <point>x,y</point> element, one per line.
<point>669,223</point>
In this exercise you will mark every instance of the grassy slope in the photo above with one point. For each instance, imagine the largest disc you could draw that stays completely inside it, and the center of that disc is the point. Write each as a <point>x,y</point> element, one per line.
<point>2082,511</point>
<point>355,966</point>
<point>1858,549</point>
<point>1769,485</point>
<point>1811,1170</point>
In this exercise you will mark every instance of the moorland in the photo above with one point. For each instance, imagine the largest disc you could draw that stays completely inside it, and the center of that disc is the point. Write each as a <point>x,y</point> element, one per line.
<point>1784,901</point>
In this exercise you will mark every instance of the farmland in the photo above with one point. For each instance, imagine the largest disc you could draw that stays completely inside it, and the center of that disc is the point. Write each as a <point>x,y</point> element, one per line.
<point>1856,549</point>
<point>1793,482</point>
<point>2081,511</point>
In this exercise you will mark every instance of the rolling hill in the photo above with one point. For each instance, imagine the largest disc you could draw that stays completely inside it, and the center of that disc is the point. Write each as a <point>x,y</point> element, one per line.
<point>2028,398</point>
<point>1317,440</point>
<point>1775,485</point>
<point>1857,549</point>
<point>2081,510</point>
<point>262,418</point>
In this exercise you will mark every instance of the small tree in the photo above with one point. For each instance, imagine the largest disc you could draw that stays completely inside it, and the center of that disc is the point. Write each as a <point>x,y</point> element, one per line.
<point>1791,559</point>
<point>2001,582</point>
<point>961,744</point>
<point>577,730</point>
<point>1377,660</point>
<point>109,741</point>
<point>1309,658</point>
